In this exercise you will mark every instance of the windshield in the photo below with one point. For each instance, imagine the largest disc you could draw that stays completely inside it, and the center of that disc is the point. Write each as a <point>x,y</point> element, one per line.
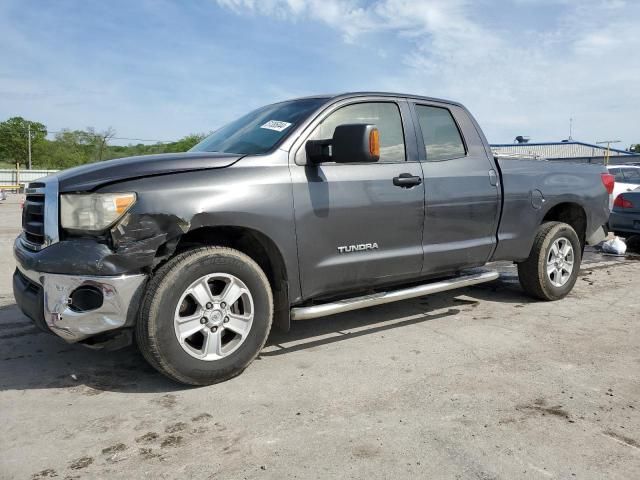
<point>261,130</point>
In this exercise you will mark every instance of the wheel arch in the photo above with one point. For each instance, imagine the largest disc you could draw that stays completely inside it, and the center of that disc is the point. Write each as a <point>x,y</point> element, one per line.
<point>260,247</point>
<point>572,214</point>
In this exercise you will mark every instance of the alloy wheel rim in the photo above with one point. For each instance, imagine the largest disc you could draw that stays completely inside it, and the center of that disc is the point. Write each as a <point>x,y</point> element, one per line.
<point>214,316</point>
<point>560,262</point>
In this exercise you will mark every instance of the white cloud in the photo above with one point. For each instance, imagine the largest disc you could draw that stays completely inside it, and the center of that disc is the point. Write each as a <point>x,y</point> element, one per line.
<point>163,69</point>
<point>344,15</point>
<point>517,79</point>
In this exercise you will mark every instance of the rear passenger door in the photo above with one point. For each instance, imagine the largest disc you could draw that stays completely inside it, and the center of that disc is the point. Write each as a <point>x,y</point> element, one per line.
<point>620,186</point>
<point>461,189</point>
<point>632,178</point>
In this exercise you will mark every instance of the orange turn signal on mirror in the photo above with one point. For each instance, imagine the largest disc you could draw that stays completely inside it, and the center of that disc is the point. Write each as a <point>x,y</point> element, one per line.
<point>374,143</point>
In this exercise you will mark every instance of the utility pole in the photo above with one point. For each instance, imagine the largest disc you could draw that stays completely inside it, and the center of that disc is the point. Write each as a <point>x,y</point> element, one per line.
<point>29,142</point>
<point>608,142</point>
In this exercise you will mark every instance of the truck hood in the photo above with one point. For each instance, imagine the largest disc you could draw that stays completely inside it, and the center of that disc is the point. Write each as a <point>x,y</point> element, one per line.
<point>91,176</point>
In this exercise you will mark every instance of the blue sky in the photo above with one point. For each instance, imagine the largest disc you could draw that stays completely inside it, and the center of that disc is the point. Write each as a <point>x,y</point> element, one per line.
<point>163,69</point>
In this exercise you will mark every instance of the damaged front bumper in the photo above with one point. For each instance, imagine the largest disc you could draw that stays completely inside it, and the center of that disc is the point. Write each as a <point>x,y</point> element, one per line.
<point>77,307</point>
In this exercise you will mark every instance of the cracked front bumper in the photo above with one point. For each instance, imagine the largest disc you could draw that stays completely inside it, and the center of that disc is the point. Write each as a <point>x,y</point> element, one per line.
<point>46,299</point>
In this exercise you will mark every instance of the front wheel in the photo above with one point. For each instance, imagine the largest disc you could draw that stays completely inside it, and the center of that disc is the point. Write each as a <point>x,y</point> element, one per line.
<point>553,265</point>
<point>205,316</point>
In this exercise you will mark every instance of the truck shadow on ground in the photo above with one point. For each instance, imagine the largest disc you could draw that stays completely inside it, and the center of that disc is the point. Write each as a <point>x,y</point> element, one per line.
<point>30,359</point>
<point>322,331</point>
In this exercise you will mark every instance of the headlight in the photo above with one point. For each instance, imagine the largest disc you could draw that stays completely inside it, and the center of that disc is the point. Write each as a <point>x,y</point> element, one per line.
<point>94,211</point>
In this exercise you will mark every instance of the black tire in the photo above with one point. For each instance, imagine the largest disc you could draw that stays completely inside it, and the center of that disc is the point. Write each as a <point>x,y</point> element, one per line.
<point>532,273</point>
<point>155,334</point>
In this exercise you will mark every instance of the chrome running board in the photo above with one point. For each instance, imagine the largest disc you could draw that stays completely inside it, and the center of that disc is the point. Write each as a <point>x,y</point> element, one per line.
<point>341,306</point>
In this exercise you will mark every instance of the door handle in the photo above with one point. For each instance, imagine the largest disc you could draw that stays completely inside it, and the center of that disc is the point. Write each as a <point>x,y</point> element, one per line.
<point>493,177</point>
<point>406,180</point>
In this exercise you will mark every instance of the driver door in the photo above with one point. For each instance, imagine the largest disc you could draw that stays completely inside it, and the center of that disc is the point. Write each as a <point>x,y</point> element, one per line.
<point>355,228</point>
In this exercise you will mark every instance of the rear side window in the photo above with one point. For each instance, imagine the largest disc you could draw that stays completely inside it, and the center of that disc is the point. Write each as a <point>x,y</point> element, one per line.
<point>441,136</point>
<point>632,175</point>
<point>384,115</point>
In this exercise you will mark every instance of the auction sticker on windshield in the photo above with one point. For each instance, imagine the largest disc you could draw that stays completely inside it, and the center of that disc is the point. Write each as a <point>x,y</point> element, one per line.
<point>276,125</point>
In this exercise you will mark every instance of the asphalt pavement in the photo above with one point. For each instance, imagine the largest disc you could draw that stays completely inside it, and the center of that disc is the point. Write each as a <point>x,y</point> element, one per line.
<point>480,383</point>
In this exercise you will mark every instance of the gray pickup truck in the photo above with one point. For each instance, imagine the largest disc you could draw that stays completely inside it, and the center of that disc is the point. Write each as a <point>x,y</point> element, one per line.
<point>298,210</point>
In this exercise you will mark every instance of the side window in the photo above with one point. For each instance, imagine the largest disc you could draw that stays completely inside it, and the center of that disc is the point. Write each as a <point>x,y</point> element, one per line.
<point>384,115</point>
<point>618,174</point>
<point>441,136</point>
<point>632,175</point>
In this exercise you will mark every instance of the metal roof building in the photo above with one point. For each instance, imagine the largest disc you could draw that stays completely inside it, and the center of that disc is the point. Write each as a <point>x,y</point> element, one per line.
<point>569,150</point>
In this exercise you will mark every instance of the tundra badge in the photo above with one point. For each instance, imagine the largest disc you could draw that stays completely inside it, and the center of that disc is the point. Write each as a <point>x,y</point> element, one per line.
<point>357,248</point>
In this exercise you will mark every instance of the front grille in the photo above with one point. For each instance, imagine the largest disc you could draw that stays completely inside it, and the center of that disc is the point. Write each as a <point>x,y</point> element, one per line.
<point>33,217</point>
<point>40,215</point>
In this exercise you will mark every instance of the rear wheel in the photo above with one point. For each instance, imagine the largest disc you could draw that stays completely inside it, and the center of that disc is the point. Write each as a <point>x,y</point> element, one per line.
<point>553,265</point>
<point>205,316</point>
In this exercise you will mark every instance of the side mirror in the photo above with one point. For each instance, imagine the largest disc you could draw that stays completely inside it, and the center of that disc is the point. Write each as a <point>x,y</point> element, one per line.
<point>351,143</point>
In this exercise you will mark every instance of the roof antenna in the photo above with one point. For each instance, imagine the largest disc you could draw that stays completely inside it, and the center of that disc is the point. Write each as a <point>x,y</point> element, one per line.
<point>570,128</point>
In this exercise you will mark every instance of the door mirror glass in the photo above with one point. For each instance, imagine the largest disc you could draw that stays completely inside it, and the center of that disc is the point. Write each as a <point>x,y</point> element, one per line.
<point>351,143</point>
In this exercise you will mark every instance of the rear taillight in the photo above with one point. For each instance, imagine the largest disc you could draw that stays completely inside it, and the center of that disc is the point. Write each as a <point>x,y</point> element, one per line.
<point>622,202</point>
<point>608,181</point>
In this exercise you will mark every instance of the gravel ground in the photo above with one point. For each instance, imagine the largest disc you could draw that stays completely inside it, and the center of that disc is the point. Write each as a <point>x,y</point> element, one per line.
<point>480,383</point>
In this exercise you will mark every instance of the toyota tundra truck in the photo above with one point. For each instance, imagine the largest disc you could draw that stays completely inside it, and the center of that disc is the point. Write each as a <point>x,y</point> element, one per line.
<point>297,210</point>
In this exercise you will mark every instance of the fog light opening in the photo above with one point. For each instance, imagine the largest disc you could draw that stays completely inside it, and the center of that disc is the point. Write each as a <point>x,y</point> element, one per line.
<point>85,299</point>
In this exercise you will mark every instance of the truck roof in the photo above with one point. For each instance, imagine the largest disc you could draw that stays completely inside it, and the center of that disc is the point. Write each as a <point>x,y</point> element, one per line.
<point>338,96</point>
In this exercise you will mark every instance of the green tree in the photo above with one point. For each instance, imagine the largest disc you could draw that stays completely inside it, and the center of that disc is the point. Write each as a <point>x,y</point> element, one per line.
<point>74,147</point>
<point>14,138</point>
<point>70,148</point>
<point>184,143</point>
<point>635,148</point>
